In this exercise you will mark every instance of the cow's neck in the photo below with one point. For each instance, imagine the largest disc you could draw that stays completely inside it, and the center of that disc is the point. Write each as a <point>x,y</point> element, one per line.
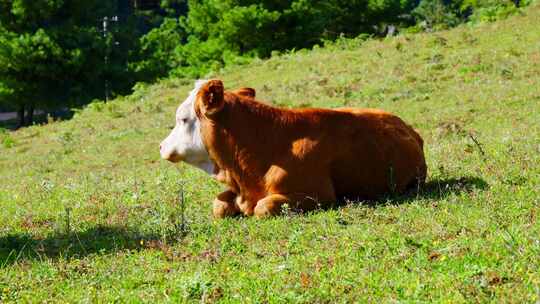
<point>245,141</point>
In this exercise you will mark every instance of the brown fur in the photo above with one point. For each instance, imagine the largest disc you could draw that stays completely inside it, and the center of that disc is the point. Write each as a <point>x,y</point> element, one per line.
<point>306,158</point>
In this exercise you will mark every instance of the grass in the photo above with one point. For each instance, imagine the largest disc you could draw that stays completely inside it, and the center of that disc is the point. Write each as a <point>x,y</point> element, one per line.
<point>91,214</point>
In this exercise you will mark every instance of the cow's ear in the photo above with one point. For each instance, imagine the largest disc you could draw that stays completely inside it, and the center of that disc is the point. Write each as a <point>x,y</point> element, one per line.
<point>212,97</point>
<point>245,92</point>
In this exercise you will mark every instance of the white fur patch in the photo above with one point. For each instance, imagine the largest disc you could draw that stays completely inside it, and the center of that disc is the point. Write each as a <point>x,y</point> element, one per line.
<point>184,143</point>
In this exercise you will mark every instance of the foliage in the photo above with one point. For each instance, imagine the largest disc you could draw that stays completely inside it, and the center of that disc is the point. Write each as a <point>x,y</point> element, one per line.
<point>442,14</point>
<point>51,52</point>
<point>156,55</point>
<point>491,10</point>
<point>470,235</point>
<point>218,33</point>
<point>433,15</point>
<point>214,33</point>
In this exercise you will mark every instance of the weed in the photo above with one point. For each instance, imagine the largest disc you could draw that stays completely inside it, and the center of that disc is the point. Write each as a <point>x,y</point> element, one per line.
<point>8,141</point>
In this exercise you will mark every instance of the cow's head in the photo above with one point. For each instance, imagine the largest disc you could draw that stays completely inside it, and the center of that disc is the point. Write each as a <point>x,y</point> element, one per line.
<point>185,142</point>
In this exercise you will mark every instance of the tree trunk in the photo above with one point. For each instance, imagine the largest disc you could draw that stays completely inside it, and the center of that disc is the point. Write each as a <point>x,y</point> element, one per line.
<point>20,117</point>
<point>30,115</point>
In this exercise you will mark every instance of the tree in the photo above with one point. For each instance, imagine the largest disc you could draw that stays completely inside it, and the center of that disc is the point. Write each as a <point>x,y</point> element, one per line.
<point>156,53</point>
<point>51,53</point>
<point>216,32</point>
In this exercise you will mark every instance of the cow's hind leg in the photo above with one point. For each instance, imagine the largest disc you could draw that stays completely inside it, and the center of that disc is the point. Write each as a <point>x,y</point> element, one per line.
<point>225,205</point>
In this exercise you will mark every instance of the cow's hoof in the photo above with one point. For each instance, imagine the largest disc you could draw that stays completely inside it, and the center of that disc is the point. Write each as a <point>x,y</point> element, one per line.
<point>225,205</point>
<point>262,211</point>
<point>270,205</point>
<point>224,209</point>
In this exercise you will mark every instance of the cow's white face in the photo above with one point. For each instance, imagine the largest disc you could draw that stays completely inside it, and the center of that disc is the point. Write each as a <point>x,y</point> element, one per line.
<point>185,141</point>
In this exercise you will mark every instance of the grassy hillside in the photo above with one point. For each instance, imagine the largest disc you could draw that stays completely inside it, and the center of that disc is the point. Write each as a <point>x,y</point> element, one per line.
<point>90,212</point>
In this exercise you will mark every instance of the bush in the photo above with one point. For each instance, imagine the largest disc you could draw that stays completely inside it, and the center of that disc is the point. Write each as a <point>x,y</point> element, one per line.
<point>156,55</point>
<point>491,10</point>
<point>432,15</point>
<point>216,33</point>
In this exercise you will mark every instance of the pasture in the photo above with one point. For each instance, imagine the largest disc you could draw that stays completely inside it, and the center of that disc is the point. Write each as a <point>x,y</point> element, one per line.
<point>90,213</point>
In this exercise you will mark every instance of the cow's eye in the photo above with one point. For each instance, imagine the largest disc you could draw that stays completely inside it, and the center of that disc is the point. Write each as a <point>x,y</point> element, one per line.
<point>184,120</point>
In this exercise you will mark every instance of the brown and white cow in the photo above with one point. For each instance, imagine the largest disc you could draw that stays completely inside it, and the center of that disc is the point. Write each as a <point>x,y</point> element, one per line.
<point>306,158</point>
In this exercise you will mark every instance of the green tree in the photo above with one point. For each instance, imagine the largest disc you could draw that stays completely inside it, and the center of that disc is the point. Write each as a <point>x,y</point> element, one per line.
<point>217,32</point>
<point>51,53</point>
<point>155,54</point>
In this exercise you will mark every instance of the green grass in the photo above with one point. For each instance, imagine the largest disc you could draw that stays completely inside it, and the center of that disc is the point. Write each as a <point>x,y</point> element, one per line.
<point>472,235</point>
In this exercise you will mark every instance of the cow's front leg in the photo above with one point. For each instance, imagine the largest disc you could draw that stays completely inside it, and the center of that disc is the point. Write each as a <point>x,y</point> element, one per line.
<point>225,205</point>
<point>270,205</point>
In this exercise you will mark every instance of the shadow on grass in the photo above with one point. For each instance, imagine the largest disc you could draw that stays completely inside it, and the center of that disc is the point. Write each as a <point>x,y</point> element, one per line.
<point>433,189</point>
<point>439,188</point>
<point>96,240</point>
<point>39,119</point>
<point>107,239</point>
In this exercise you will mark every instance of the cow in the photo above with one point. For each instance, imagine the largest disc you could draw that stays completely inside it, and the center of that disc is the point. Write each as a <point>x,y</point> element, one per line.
<point>303,158</point>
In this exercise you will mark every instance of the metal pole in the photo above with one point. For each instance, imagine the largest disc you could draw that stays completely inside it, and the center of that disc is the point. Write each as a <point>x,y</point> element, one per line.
<point>106,59</point>
<point>105,23</point>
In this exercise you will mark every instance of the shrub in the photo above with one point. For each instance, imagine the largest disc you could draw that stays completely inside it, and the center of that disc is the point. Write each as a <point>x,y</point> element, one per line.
<point>433,15</point>
<point>8,141</point>
<point>491,10</point>
<point>216,33</point>
<point>157,50</point>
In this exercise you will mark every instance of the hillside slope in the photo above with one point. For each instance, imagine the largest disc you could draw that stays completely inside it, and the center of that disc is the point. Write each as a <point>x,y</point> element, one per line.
<point>90,212</point>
